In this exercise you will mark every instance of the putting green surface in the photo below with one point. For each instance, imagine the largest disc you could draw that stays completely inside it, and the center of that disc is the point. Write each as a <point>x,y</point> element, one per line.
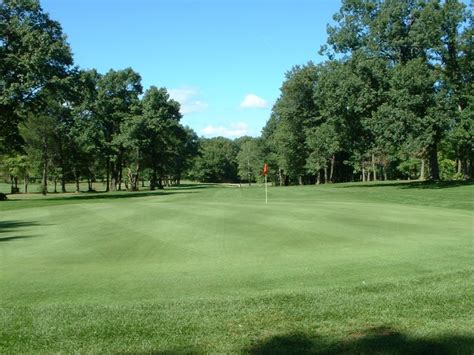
<point>342,268</point>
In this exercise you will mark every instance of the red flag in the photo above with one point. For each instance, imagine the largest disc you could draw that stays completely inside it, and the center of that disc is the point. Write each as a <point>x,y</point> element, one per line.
<point>265,169</point>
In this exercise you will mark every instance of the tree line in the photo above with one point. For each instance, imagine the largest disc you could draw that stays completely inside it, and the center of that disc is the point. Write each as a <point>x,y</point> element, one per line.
<point>66,124</point>
<point>393,100</point>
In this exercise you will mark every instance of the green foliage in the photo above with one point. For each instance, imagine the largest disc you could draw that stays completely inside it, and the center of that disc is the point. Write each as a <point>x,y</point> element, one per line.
<point>400,92</point>
<point>292,113</point>
<point>323,144</point>
<point>157,138</point>
<point>448,169</point>
<point>117,100</point>
<point>216,162</point>
<point>250,159</point>
<point>410,168</point>
<point>33,55</point>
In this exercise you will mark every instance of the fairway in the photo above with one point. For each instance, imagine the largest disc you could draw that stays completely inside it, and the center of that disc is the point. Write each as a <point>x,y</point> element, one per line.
<point>211,268</point>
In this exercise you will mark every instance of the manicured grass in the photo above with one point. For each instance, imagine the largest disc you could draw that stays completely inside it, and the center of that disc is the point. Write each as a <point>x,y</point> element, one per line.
<point>349,268</point>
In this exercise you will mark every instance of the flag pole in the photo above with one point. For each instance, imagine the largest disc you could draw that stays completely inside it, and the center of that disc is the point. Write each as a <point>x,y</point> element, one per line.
<point>266,192</point>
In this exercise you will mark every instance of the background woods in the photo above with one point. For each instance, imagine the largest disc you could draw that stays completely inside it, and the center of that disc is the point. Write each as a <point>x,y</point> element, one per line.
<point>393,100</point>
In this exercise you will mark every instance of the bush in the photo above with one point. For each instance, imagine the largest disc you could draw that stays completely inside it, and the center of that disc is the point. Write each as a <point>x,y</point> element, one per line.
<point>3,197</point>
<point>410,168</point>
<point>447,169</point>
<point>458,176</point>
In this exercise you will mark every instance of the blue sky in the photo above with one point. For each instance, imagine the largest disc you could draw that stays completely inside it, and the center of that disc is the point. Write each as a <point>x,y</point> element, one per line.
<point>223,60</point>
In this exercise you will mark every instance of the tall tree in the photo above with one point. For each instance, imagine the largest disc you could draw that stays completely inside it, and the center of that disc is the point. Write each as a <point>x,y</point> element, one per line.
<point>323,143</point>
<point>84,134</point>
<point>456,55</point>
<point>185,149</point>
<point>295,110</point>
<point>415,37</point>
<point>162,131</point>
<point>249,159</point>
<point>34,55</point>
<point>117,101</point>
<point>38,133</point>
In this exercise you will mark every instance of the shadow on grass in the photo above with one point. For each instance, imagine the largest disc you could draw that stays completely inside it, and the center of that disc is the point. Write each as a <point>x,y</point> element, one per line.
<point>374,340</point>
<point>106,195</point>
<point>12,226</point>
<point>413,184</point>
<point>8,239</point>
<point>113,195</point>
<point>183,350</point>
<point>192,186</point>
<point>8,226</point>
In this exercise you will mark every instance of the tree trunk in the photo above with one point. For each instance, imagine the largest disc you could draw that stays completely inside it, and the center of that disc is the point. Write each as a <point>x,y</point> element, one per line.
<point>76,179</point>
<point>434,167</point>
<point>61,164</point>
<point>55,184</point>
<point>300,180</point>
<point>63,182</point>
<point>373,168</point>
<point>120,179</point>
<point>107,186</point>
<point>459,166</point>
<point>118,169</point>
<point>318,177</point>
<point>384,172</point>
<point>422,169</point>
<point>113,180</point>
<point>325,174</point>
<point>133,177</point>
<point>89,180</point>
<point>153,179</point>
<point>467,169</point>
<point>363,173</point>
<point>280,176</point>
<point>44,182</point>
<point>136,178</point>
<point>333,161</point>
<point>26,182</point>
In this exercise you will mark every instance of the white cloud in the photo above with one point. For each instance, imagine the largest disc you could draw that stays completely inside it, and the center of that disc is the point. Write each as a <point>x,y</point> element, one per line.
<point>188,96</point>
<point>253,101</point>
<point>234,130</point>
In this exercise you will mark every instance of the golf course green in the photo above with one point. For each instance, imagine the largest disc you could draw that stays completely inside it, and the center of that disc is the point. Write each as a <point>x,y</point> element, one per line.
<point>343,268</point>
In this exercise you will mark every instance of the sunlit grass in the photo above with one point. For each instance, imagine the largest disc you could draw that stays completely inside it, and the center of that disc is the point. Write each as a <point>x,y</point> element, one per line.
<point>341,268</point>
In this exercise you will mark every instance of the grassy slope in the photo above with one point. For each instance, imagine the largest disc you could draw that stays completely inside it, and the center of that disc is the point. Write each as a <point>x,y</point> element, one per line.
<point>348,267</point>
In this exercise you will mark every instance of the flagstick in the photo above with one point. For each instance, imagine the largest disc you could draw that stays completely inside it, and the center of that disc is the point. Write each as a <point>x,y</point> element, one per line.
<point>266,192</point>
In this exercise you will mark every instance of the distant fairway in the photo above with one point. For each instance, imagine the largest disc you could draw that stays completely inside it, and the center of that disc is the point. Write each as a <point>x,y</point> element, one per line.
<point>342,268</point>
